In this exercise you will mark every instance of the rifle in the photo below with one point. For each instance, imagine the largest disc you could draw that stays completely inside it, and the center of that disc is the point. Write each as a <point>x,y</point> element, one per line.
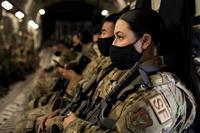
<point>58,87</point>
<point>81,100</point>
<point>55,99</point>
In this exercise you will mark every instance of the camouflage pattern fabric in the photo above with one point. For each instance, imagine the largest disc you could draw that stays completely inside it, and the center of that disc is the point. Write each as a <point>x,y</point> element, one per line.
<point>95,65</point>
<point>28,119</point>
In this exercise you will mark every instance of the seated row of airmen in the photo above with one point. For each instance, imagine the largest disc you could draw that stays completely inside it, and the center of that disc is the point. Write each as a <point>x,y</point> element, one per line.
<point>125,88</point>
<point>16,61</point>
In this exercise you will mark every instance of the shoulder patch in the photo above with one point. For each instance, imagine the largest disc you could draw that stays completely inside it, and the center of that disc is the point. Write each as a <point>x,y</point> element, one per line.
<point>139,119</point>
<point>160,108</point>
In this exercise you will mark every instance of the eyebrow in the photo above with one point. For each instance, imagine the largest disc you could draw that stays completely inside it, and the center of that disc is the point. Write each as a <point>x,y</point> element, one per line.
<point>103,30</point>
<point>119,32</point>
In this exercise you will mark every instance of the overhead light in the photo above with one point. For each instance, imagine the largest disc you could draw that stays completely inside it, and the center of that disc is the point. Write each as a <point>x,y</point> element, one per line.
<point>104,13</point>
<point>7,5</point>
<point>19,15</point>
<point>42,11</point>
<point>36,26</point>
<point>32,24</point>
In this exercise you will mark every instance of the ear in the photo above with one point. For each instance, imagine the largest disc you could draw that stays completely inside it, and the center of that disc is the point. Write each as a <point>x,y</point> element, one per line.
<point>146,41</point>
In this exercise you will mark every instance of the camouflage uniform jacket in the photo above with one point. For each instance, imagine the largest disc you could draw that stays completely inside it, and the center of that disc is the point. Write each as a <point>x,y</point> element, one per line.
<point>167,107</point>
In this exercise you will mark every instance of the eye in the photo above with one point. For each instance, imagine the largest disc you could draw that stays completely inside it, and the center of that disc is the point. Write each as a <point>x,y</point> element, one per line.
<point>103,33</point>
<point>119,37</point>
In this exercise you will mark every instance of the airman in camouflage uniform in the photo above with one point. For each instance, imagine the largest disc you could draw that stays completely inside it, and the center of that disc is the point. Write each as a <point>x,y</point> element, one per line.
<point>157,101</point>
<point>44,80</point>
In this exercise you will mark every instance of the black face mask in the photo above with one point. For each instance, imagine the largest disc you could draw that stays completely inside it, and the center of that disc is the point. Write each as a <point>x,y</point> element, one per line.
<point>124,57</point>
<point>104,45</point>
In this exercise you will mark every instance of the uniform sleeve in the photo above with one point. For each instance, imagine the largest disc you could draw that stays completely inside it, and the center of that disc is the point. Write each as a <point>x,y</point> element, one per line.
<point>81,126</point>
<point>135,119</point>
<point>147,112</point>
<point>73,84</point>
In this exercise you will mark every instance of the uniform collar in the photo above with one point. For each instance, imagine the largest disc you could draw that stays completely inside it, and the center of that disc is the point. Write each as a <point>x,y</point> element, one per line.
<point>150,67</point>
<point>154,64</point>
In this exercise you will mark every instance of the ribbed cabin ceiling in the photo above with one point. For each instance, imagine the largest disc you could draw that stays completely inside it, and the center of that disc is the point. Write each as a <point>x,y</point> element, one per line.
<point>30,7</point>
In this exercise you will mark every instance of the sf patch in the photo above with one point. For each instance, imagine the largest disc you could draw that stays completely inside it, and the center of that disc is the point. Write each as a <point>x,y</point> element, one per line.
<point>160,108</point>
